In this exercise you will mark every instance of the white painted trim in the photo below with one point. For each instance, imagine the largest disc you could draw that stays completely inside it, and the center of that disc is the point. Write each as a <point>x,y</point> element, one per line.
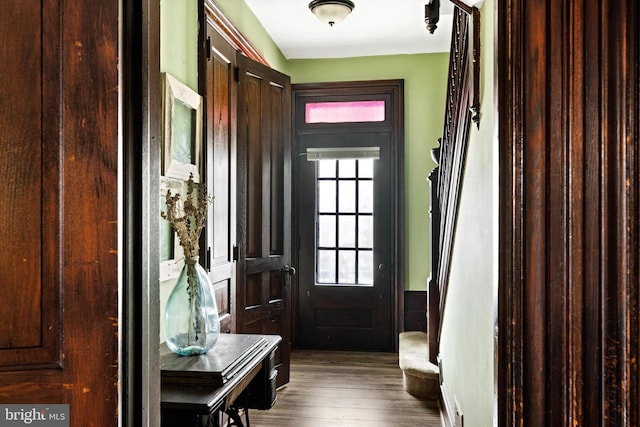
<point>448,419</point>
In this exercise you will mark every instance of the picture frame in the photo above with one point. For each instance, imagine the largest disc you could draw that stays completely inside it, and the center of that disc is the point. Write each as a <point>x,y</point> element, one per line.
<point>182,130</point>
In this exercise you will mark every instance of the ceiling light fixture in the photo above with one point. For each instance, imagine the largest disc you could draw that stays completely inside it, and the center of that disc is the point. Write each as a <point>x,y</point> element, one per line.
<point>331,11</point>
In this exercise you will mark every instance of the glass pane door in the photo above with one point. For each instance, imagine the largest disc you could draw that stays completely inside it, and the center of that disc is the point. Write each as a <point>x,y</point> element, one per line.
<point>344,222</point>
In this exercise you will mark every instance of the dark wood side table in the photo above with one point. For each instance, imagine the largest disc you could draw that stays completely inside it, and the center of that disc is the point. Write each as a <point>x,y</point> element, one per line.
<point>238,372</point>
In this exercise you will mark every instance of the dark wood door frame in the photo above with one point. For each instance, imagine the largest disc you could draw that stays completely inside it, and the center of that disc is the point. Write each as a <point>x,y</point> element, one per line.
<point>328,91</point>
<point>568,98</point>
<point>100,135</point>
<point>142,89</point>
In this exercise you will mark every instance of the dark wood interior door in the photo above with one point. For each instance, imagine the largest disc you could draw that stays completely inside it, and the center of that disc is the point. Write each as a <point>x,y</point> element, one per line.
<point>59,263</point>
<point>264,206</point>
<point>220,87</point>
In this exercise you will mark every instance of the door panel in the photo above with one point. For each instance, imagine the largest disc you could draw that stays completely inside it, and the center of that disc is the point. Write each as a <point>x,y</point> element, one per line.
<point>264,205</point>
<point>59,259</point>
<point>221,170</point>
<point>24,334</point>
<point>334,312</point>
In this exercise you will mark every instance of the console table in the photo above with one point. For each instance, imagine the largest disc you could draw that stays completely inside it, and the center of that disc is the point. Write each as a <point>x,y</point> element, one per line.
<point>238,372</point>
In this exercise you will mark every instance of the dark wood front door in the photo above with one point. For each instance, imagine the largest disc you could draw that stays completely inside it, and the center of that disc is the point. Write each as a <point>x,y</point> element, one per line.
<point>59,261</point>
<point>345,228</point>
<point>348,193</point>
<point>264,206</point>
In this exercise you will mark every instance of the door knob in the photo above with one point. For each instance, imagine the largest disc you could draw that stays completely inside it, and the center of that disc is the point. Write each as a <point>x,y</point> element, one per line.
<point>289,270</point>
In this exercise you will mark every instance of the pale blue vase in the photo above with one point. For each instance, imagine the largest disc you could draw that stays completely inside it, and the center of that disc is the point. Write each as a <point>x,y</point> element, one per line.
<point>191,321</point>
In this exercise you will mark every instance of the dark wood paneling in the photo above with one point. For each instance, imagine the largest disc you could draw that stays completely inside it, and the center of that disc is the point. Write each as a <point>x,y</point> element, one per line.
<point>29,333</point>
<point>253,290</point>
<point>569,214</point>
<point>67,123</point>
<point>277,171</point>
<point>252,107</point>
<point>277,286</point>
<point>415,311</point>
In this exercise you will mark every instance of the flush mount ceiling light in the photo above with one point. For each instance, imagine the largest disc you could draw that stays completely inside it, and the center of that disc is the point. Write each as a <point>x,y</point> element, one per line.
<point>331,11</point>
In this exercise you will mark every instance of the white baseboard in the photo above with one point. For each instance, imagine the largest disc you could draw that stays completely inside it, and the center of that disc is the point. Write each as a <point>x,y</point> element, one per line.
<point>448,416</point>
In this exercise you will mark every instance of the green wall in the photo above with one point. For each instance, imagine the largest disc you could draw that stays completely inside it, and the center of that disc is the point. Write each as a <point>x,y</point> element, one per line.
<point>424,78</point>
<point>179,40</point>
<point>467,346</point>
<point>178,57</point>
<point>425,90</point>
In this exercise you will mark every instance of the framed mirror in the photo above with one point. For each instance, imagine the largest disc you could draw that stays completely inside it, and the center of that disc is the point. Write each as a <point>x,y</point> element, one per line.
<point>182,136</point>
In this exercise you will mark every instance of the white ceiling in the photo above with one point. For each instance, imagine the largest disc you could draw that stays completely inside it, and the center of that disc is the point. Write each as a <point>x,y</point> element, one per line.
<point>375,27</point>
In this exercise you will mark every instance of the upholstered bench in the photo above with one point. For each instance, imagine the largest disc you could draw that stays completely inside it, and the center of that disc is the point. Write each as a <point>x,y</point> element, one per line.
<point>420,376</point>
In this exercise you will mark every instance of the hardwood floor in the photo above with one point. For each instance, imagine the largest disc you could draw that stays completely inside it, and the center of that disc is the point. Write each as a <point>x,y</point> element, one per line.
<point>346,389</point>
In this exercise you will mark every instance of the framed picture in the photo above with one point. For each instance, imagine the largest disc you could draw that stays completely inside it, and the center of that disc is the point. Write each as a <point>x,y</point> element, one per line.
<point>171,253</point>
<point>182,137</point>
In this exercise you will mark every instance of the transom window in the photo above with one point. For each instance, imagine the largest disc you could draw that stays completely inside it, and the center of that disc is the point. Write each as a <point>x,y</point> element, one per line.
<point>344,222</point>
<point>345,112</point>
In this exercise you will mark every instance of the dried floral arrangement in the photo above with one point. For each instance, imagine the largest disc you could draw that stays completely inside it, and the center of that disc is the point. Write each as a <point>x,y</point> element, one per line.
<point>187,217</point>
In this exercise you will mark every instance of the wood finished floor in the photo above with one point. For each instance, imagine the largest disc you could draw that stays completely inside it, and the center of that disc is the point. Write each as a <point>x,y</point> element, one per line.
<point>349,389</point>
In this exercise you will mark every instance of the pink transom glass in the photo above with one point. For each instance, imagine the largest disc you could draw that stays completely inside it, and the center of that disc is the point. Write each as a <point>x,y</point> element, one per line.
<point>344,112</point>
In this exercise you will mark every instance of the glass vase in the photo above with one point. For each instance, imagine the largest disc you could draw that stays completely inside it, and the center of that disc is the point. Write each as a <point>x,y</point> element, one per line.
<point>191,321</point>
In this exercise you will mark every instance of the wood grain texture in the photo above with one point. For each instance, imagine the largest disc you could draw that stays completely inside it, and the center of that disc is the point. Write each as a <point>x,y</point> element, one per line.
<point>22,257</point>
<point>263,288</point>
<point>74,131</point>
<point>569,217</point>
<point>346,389</point>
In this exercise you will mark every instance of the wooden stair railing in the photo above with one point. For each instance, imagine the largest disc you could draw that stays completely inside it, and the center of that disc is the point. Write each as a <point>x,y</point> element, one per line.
<point>462,108</point>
